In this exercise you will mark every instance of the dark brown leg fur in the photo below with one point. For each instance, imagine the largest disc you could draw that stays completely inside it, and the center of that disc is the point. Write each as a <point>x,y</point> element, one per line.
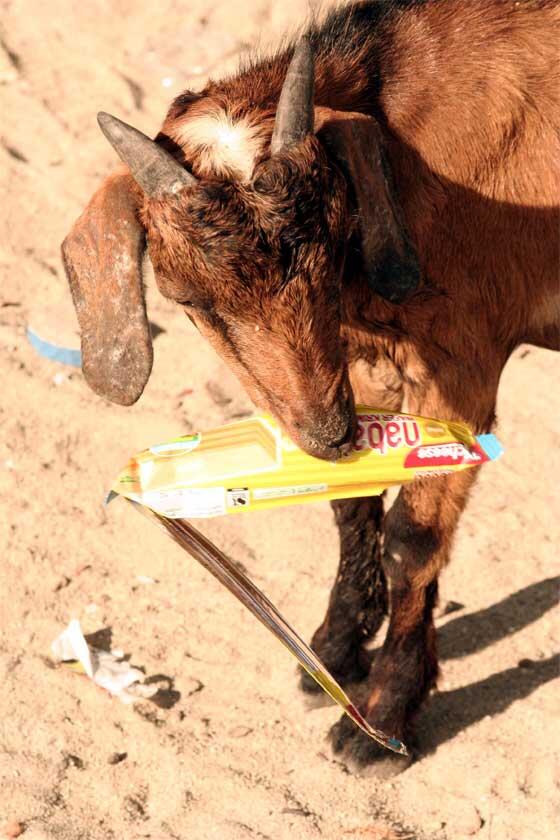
<point>358,600</point>
<point>418,532</point>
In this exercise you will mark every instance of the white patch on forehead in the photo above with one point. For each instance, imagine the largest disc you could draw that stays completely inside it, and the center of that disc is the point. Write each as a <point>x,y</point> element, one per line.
<point>216,144</point>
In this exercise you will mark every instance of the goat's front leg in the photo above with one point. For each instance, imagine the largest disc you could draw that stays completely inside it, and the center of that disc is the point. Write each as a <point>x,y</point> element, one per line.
<point>418,534</point>
<point>358,600</point>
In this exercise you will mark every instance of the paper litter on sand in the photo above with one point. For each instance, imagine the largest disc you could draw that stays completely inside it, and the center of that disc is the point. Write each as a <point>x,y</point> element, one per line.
<point>106,669</point>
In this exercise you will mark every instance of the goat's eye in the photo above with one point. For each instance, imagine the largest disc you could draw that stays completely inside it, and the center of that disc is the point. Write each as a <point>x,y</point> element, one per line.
<point>191,303</point>
<point>201,306</point>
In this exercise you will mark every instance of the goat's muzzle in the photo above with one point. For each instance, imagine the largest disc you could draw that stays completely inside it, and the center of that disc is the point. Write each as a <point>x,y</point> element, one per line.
<point>325,432</point>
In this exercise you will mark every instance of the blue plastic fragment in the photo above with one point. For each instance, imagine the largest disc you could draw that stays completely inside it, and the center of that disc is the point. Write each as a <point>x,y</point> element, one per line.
<point>491,446</point>
<point>64,355</point>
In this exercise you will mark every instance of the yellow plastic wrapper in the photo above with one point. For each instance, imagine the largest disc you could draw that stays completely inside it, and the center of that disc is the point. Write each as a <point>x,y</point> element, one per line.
<point>251,465</point>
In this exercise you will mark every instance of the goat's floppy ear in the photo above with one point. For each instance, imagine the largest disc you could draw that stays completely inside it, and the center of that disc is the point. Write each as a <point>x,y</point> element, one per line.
<point>390,261</point>
<point>102,256</point>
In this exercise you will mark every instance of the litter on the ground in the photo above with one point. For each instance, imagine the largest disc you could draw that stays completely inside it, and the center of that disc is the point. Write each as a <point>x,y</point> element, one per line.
<point>54,333</point>
<point>107,669</point>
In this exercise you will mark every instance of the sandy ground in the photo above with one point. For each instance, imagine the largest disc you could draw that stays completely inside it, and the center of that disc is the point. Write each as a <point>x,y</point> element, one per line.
<point>231,751</point>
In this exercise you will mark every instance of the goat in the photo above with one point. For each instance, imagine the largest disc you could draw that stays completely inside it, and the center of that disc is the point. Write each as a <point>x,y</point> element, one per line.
<point>369,214</point>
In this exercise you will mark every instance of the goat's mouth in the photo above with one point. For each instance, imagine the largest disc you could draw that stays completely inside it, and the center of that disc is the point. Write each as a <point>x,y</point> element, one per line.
<point>331,439</point>
<point>344,445</point>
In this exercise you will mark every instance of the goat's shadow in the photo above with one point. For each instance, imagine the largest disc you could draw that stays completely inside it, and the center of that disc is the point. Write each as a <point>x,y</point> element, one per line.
<point>451,712</point>
<point>469,634</point>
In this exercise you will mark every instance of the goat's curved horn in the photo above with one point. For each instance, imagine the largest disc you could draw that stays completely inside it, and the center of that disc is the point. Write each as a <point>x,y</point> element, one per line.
<point>153,169</point>
<point>294,116</point>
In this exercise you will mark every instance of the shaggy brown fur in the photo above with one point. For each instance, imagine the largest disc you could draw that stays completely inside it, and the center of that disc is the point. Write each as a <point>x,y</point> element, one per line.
<point>435,158</point>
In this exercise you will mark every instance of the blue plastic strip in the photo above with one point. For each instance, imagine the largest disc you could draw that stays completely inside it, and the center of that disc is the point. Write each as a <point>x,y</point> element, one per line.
<point>491,445</point>
<point>64,355</point>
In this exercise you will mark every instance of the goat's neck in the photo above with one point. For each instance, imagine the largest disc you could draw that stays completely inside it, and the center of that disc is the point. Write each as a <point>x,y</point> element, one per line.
<point>475,161</point>
<point>453,82</point>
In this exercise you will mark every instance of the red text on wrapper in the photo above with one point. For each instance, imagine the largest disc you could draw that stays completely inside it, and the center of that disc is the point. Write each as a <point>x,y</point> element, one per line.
<point>445,454</point>
<point>385,433</point>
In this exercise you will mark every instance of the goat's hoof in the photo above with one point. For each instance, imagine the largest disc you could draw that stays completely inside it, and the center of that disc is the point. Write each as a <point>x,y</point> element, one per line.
<point>362,755</point>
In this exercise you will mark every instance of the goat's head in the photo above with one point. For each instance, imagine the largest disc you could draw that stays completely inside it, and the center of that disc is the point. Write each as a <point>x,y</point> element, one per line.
<point>256,257</point>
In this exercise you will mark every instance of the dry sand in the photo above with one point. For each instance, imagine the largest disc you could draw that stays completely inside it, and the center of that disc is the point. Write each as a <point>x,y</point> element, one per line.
<point>233,753</point>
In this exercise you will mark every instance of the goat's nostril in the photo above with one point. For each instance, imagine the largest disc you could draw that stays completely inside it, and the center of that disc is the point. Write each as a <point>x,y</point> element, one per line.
<point>345,440</point>
<point>347,437</point>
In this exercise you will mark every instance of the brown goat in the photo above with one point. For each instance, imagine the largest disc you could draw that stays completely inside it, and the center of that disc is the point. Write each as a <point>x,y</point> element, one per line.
<point>372,215</point>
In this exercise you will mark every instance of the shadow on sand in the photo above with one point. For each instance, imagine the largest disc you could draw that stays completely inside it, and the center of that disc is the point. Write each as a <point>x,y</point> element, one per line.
<point>450,712</point>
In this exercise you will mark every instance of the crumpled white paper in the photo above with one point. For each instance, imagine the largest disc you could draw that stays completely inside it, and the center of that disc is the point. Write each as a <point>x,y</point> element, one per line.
<point>107,670</point>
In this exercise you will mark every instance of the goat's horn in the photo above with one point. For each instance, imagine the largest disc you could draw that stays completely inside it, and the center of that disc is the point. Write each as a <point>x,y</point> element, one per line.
<point>153,169</point>
<point>294,116</point>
